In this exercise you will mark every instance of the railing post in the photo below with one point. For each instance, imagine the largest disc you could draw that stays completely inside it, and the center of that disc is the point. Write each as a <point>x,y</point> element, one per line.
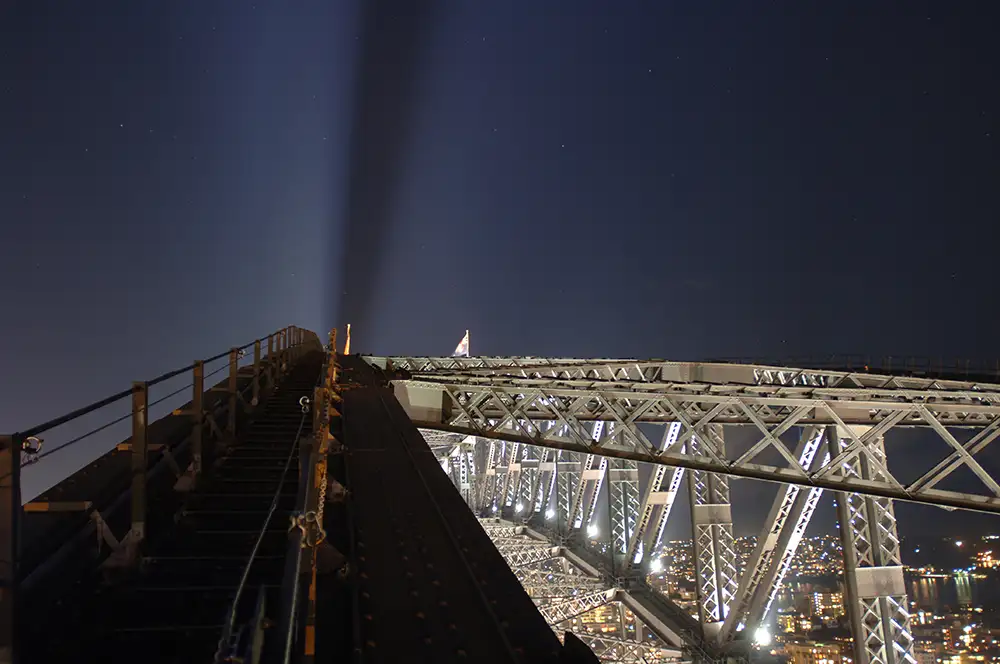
<point>293,336</point>
<point>140,410</point>
<point>270,361</point>
<point>280,351</point>
<point>234,358</point>
<point>197,417</point>
<point>10,513</point>
<point>256,374</point>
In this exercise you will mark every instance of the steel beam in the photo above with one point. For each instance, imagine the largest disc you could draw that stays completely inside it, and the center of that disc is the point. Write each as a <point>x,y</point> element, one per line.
<point>657,504</point>
<point>522,410</point>
<point>655,371</point>
<point>776,546</point>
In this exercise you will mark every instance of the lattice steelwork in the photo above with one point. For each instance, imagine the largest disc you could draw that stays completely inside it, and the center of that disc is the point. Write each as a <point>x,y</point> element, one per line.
<point>656,505</point>
<point>565,595</point>
<point>585,421</point>
<point>516,406</point>
<point>624,502</point>
<point>714,545</point>
<point>876,591</point>
<point>790,515</point>
<point>567,479</point>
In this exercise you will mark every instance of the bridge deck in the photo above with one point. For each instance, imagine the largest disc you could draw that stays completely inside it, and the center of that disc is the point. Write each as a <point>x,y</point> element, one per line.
<point>432,587</point>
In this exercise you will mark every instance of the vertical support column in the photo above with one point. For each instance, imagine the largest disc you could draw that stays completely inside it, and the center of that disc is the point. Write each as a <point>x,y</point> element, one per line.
<point>624,476</point>
<point>487,488</point>
<point>714,548</point>
<point>140,424</point>
<point>512,481</point>
<point>255,399</point>
<point>873,572</point>
<point>197,417</point>
<point>568,471</point>
<point>234,358</point>
<point>10,516</point>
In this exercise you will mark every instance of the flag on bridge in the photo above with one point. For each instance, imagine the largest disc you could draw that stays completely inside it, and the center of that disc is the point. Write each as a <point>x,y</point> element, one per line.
<point>462,350</point>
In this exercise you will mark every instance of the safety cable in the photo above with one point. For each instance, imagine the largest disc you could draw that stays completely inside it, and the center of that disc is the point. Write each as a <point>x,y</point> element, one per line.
<point>231,618</point>
<point>86,410</point>
<point>107,401</point>
<point>107,425</point>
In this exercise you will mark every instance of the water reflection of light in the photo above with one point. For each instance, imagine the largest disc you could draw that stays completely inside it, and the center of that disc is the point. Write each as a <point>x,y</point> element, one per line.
<point>964,589</point>
<point>954,592</point>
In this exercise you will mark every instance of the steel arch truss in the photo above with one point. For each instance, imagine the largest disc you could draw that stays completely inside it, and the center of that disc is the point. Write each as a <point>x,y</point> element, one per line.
<point>555,413</point>
<point>583,424</point>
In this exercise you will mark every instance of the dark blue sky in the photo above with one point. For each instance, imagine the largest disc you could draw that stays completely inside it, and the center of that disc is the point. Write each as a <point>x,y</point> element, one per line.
<point>586,178</point>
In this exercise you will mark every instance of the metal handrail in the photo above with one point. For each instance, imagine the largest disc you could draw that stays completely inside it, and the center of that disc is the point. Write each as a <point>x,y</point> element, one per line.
<point>227,630</point>
<point>107,401</point>
<point>290,589</point>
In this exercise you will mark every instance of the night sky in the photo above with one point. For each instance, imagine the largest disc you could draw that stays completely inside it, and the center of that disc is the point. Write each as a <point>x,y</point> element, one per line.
<point>655,179</point>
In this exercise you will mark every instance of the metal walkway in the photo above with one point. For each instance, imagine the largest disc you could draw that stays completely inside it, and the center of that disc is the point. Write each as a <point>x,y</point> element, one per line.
<point>174,607</point>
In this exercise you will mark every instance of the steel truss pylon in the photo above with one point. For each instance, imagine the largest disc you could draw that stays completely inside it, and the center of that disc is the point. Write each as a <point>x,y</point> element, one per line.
<point>714,545</point>
<point>873,571</point>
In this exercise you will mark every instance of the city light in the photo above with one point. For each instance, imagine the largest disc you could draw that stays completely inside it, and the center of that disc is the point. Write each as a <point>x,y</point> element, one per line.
<point>550,514</point>
<point>959,544</point>
<point>592,530</point>
<point>519,508</point>
<point>656,566</point>
<point>762,637</point>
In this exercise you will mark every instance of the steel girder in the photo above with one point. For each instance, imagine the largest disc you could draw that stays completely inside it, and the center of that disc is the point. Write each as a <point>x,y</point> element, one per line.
<point>554,413</point>
<point>784,527</point>
<point>660,371</point>
<point>657,504</point>
<point>569,592</point>
<point>716,559</point>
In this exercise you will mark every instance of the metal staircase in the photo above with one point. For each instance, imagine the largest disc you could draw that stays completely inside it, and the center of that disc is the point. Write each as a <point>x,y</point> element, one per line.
<point>229,541</point>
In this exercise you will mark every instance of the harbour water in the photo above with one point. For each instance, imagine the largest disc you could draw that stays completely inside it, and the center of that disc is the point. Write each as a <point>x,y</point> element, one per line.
<point>954,592</point>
